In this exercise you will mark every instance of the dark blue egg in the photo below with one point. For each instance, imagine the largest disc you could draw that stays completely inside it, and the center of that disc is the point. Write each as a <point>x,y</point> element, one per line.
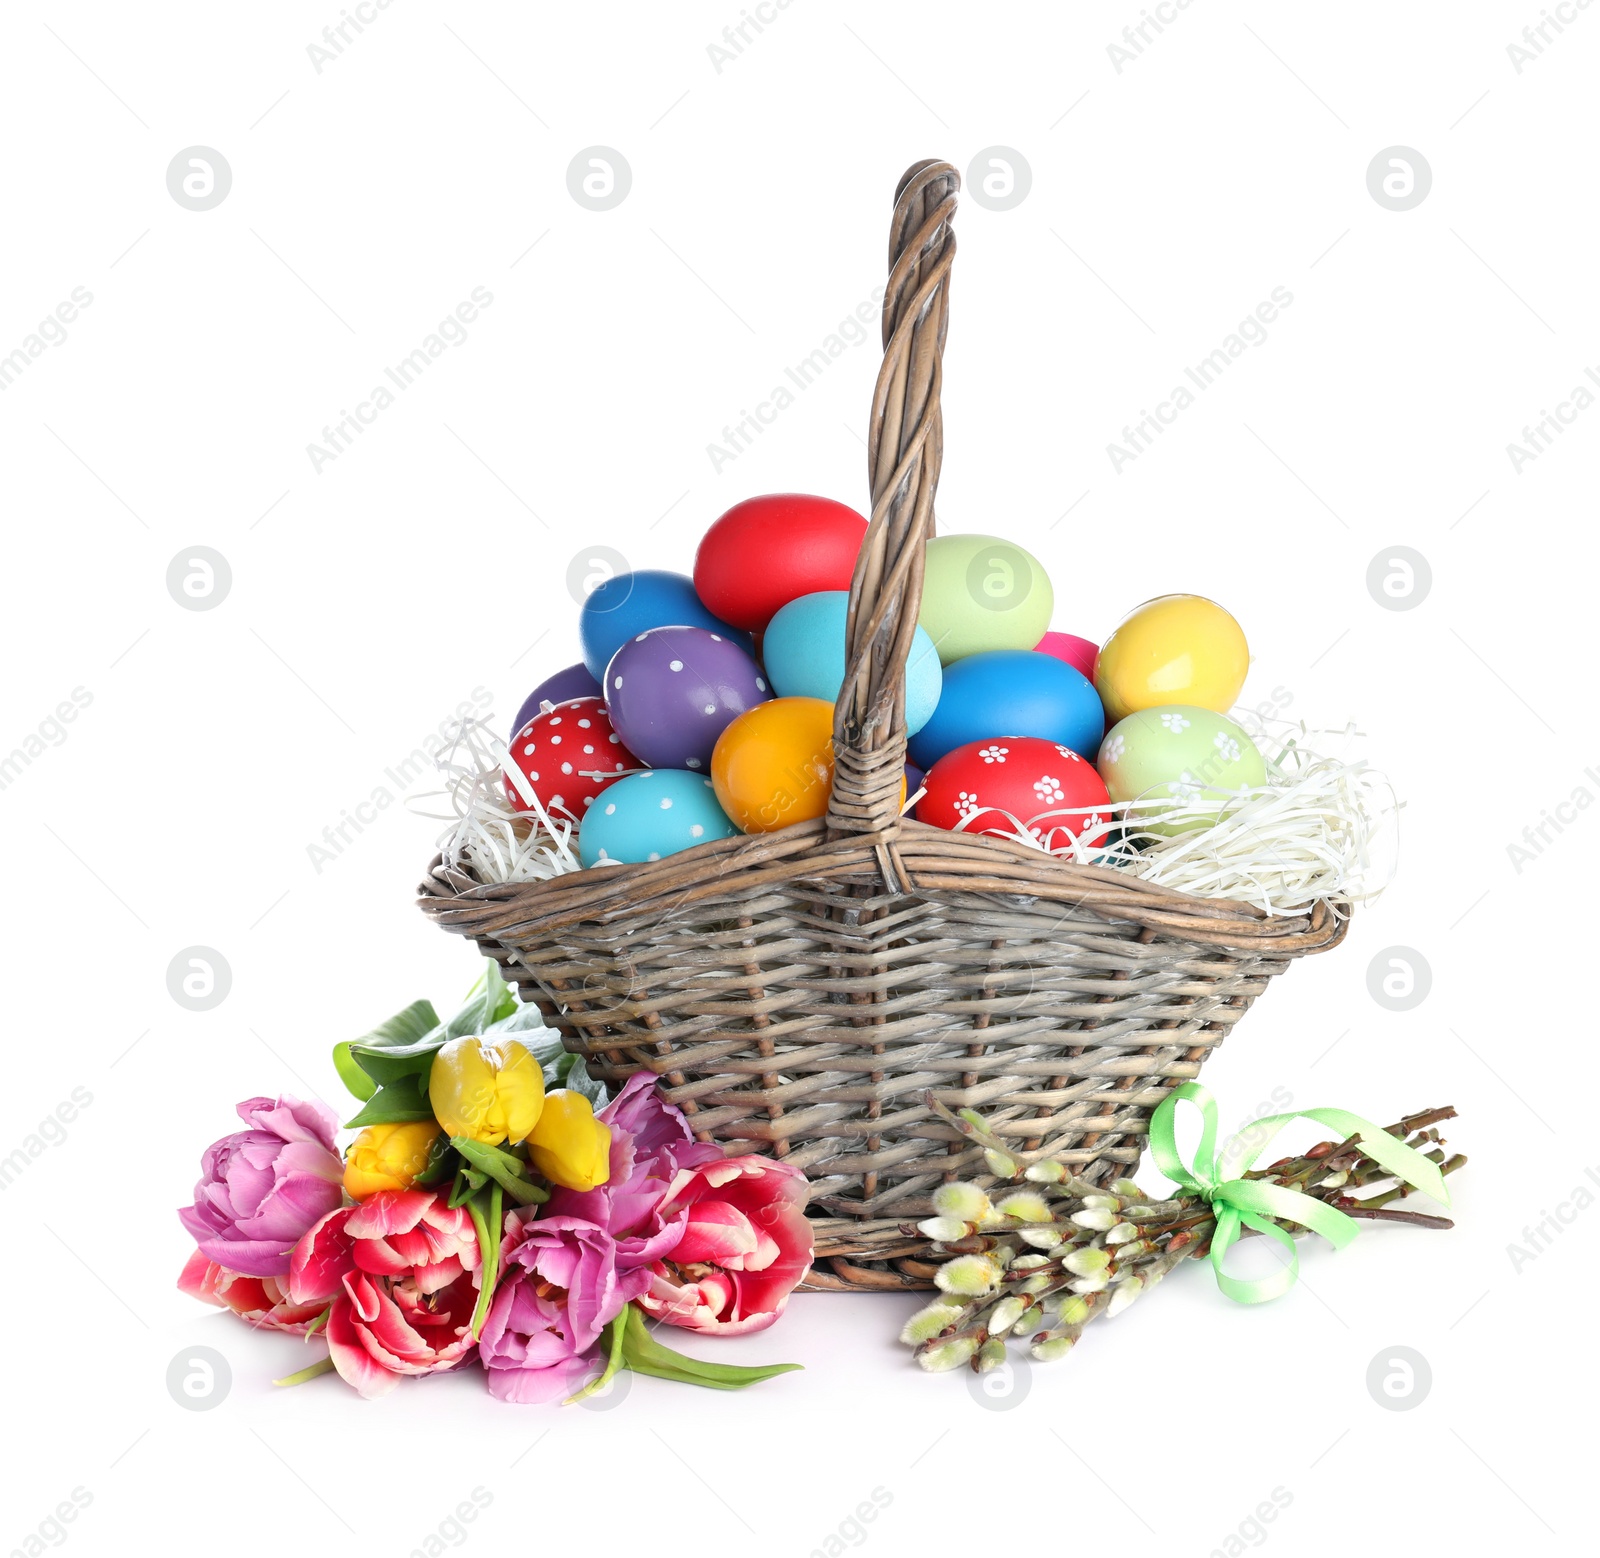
<point>1011,692</point>
<point>632,603</point>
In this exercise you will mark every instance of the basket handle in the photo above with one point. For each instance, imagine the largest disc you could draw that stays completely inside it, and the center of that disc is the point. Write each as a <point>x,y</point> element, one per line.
<point>905,447</point>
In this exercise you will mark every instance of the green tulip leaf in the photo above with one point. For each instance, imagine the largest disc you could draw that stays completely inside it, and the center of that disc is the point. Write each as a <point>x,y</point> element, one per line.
<point>394,1103</point>
<point>417,1021</point>
<point>359,1083</point>
<point>642,1353</point>
<point>487,1002</point>
<point>574,1073</point>
<point>506,1170</point>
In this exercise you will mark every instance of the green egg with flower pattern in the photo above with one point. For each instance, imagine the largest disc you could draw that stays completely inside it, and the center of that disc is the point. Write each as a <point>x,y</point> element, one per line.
<point>1179,755</point>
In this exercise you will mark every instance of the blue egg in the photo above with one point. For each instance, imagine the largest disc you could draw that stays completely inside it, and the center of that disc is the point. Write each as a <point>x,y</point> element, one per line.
<point>650,815</point>
<point>803,651</point>
<point>633,603</point>
<point>1012,692</point>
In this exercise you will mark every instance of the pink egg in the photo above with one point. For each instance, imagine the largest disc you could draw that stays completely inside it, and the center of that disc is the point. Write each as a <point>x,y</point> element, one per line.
<point>1079,653</point>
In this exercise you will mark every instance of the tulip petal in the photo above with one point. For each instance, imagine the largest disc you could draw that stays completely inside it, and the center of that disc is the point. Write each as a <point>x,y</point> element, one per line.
<point>320,1260</point>
<point>356,1366</point>
<point>390,1212</point>
<point>716,1232</point>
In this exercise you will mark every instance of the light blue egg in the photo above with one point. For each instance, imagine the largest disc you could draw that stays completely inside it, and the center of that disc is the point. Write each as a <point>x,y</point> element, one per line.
<point>649,816</point>
<point>803,651</point>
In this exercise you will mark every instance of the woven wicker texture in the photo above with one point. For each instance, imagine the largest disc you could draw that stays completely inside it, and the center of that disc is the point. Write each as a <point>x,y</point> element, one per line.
<point>800,993</point>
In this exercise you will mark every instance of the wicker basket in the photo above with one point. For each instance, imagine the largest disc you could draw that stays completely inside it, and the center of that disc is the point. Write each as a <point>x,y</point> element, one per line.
<point>800,993</point>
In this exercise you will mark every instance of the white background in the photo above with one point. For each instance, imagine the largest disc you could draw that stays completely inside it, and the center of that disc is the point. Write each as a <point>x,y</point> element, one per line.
<point>368,600</point>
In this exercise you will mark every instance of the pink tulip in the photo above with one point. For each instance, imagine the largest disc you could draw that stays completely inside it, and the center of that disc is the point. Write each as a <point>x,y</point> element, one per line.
<point>745,1246</point>
<point>262,1301</point>
<point>563,1284</point>
<point>261,1189</point>
<point>400,1272</point>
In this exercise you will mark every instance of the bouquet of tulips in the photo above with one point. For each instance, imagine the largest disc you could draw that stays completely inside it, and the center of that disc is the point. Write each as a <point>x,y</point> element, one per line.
<point>488,1211</point>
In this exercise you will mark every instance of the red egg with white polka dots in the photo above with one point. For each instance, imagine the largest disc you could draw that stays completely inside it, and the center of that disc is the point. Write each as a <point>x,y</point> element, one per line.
<point>567,755</point>
<point>1008,784</point>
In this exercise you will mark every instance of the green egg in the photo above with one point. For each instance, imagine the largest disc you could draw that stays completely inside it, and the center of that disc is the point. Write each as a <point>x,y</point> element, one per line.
<point>1178,752</point>
<point>981,593</point>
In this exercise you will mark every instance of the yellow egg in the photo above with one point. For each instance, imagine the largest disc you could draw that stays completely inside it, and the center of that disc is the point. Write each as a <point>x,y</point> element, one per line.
<point>1174,649</point>
<point>773,765</point>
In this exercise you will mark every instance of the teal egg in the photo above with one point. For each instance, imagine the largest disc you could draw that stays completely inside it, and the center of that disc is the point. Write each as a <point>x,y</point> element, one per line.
<point>803,652</point>
<point>649,816</point>
<point>1180,754</point>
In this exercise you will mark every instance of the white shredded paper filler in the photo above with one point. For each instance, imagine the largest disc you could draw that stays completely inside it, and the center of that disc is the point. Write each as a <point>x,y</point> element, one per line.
<point>1322,827</point>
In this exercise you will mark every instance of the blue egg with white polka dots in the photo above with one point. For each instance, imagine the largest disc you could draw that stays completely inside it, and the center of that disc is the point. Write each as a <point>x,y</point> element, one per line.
<point>649,816</point>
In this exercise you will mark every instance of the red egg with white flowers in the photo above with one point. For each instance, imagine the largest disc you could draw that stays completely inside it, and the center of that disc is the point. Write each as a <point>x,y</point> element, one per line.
<point>1006,783</point>
<point>567,755</point>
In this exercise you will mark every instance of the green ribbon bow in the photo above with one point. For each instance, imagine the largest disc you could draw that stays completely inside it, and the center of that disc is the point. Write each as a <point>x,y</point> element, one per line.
<point>1250,1202</point>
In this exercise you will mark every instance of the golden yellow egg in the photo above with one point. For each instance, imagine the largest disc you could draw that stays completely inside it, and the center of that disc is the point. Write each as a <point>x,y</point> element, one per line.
<point>773,765</point>
<point>1174,649</point>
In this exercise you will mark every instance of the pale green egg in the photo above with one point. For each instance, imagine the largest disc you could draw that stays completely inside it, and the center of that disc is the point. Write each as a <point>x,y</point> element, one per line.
<point>1180,756</point>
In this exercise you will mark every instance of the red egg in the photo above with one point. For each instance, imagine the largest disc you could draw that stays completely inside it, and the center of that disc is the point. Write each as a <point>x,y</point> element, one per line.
<point>996,785</point>
<point>568,755</point>
<point>767,551</point>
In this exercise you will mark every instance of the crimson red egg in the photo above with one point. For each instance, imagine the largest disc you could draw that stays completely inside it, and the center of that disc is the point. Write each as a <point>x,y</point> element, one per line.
<point>1002,783</point>
<point>567,756</point>
<point>767,551</point>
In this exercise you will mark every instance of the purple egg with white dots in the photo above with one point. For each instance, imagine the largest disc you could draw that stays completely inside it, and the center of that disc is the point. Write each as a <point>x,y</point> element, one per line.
<point>672,691</point>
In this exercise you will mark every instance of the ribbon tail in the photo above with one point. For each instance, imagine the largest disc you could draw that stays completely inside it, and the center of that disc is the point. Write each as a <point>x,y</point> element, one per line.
<point>1252,1290</point>
<point>1405,1163</point>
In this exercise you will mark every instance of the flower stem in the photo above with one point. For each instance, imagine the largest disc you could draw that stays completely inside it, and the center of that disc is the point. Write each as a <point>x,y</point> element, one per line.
<point>615,1331</point>
<point>325,1366</point>
<point>489,1252</point>
<point>504,1169</point>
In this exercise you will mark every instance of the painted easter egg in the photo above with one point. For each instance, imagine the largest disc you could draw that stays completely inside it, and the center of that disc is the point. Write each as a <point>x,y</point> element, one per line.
<point>773,766</point>
<point>767,551</point>
<point>573,682</point>
<point>650,815</point>
<point>1007,784</point>
<point>1011,692</point>
<point>803,651</point>
<point>981,593</point>
<point>1178,754</point>
<point>673,691</point>
<point>1080,653</point>
<point>567,756</point>
<point>632,603</point>
<point>1174,649</point>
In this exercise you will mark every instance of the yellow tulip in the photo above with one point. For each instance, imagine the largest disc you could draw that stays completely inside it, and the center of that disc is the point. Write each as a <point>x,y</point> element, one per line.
<point>388,1157</point>
<point>491,1091</point>
<point>568,1145</point>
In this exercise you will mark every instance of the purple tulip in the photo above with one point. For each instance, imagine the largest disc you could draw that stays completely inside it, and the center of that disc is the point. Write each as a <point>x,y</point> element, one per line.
<point>261,1189</point>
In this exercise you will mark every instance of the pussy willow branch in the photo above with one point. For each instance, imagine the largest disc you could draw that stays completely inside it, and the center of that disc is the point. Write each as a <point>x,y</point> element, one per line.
<point>1096,1249</point>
